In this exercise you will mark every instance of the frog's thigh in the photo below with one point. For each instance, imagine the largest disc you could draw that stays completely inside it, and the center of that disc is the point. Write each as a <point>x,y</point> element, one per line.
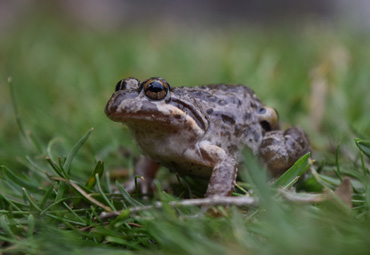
<point>280,149</point>
<point>224,172</point>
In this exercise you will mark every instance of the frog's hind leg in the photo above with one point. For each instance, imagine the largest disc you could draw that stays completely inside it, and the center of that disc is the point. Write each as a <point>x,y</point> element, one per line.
<point>281,149</point>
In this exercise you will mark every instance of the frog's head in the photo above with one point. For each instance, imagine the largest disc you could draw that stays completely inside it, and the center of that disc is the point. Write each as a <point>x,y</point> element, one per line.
<point>152,104</point>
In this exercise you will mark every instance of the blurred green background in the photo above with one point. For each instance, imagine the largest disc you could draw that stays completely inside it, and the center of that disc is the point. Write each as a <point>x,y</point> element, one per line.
<point>309,61</point>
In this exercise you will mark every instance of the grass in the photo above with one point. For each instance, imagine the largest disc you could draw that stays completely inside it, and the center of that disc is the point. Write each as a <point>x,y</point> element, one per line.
<point>57,174</point>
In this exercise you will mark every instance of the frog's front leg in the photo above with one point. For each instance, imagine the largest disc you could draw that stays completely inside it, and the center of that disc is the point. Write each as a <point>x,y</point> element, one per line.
<point>281,149</point>
<point>146,168</point>
<point>224,169</point>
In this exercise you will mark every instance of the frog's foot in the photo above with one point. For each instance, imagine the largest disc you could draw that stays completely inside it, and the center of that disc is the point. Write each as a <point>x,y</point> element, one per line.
<point>222,181</point>
<point>281,149</point>
<point>146,169</point>
<point>225,167</point>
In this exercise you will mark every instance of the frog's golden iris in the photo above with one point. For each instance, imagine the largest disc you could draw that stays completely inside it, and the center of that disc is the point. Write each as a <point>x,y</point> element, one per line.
<point>155,88</point>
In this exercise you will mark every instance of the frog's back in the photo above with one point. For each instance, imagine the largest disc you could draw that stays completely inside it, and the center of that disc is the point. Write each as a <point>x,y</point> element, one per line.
<point>232,114</point>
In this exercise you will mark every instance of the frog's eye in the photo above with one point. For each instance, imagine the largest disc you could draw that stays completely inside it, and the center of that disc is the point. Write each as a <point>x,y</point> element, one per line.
<point>268,118</point>
<point>156,88</point>
<point>121,85</point>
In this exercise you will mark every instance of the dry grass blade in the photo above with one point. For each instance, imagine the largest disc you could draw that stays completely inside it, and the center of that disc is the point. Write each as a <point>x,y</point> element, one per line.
<point>83,193</point>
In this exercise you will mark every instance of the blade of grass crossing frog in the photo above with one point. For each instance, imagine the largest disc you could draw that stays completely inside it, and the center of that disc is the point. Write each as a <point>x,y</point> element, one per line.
<point>75,149</point>
<point>127,196</point>
<point>255,174</point>
<point>299,168</point>
<point>11,177</point>
<point>364,146</point>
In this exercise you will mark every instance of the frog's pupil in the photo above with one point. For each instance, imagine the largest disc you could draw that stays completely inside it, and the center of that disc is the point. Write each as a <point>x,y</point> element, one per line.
<point>155,86</point>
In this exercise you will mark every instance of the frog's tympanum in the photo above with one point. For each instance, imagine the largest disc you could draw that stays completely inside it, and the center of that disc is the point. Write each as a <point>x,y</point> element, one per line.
<point>201,131</point>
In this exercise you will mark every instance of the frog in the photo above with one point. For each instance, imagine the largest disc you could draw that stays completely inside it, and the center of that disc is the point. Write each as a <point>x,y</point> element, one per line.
<point>201,131</point>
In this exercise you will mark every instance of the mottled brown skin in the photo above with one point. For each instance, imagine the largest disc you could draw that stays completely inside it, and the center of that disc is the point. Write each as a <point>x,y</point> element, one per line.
<point>200,131</point>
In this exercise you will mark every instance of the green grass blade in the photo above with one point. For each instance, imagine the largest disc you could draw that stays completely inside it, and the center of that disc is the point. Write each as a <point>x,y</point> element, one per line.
<point>11,177</point>
<point>54,166</point>
<point>299,168</point>
<point>50,145</point>
<point>61,189</point>
<point>74,213</point>
<point>31,225</point>
<point>4,224</point>
<point>364,146</point>
<point>337,170</point>
<point>30,200</point>
<point>126,195</point>
<point>99,169</point>
<point>46,196</point>
<point>75,149</point>
<point>103,194</point>
<point>15,108</point>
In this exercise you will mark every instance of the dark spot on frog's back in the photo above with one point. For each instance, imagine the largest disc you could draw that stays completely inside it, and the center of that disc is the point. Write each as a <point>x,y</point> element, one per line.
<point>247,116</point>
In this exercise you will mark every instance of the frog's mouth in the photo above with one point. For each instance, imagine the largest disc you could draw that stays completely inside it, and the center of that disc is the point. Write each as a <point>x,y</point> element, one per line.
<point>131,108</point>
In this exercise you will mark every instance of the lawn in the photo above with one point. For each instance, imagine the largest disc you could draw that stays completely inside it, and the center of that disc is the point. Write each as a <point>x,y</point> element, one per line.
<point>58,174</point>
